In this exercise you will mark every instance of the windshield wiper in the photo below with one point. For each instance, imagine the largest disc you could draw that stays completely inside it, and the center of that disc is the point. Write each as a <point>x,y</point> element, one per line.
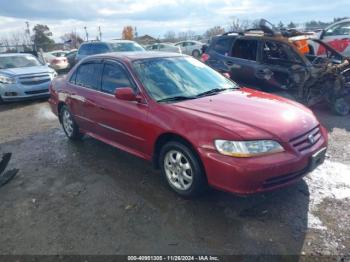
<point>176,98</point>
<point>214,91</point>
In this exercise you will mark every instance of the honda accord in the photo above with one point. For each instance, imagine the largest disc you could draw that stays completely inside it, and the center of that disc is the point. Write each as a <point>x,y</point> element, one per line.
<point>200,128</point>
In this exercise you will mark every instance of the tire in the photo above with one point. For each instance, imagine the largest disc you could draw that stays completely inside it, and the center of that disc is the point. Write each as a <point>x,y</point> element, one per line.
<point>340,107</point>
<point>70,127</point>
<point>1,101</point>
<point>196,53</point>
<point>175,160</point>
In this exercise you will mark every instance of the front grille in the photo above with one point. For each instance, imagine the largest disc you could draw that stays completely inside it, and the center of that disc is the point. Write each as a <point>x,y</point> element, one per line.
<point>35,79</point>
<point>306,140</point>
<point>281,180</point>
<point>37,92</point>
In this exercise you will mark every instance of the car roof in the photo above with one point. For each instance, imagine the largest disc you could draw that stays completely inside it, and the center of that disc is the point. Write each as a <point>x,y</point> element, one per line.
<point>108,42</point>
<point>15,54</point>
<point>252,36</point>
<point>132,56</point>
<point>339,22</point>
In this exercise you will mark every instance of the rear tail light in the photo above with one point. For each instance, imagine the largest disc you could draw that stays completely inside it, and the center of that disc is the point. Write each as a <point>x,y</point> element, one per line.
<point>205,57</point>
<point>56,61</point>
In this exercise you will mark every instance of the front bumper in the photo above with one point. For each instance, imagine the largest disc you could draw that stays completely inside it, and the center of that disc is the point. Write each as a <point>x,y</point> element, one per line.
<point>244,176</point>
<point>18,92</point>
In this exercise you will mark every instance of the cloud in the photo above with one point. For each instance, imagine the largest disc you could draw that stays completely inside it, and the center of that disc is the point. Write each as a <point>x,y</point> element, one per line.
<point>157,17</point>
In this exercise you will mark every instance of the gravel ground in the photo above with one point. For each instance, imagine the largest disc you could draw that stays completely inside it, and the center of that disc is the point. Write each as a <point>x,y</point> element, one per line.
<point>90,198</point>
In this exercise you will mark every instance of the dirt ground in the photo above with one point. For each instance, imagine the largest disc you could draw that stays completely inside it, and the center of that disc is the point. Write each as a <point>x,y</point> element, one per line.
<point>90,198</point>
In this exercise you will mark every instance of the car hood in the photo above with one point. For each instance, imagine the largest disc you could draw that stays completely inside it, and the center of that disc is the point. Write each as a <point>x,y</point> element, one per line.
<point>26,70</point>
<point>251,114</point>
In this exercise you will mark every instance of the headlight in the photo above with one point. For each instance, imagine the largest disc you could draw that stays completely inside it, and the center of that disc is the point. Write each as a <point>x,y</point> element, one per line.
<point>53,74</point>
<point>247,148</point>
<point>7,80</point>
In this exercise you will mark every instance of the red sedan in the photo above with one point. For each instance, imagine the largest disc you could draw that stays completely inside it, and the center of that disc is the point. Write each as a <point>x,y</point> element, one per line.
<point>197,126</point>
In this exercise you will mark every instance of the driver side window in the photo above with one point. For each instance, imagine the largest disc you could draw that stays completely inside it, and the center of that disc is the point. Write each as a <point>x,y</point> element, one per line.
<point>114,76</point>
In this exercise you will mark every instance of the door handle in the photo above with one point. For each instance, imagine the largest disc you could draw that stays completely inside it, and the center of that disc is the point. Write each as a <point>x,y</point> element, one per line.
<point>229,63</point>
<point>264,73</point>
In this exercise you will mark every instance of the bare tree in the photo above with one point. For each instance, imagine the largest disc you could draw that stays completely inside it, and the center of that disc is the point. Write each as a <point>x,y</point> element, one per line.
<point>240,25</point>
<point>72,39</point>
<point>187,35</point>
<point>170,36</point>
<point>216,30</point>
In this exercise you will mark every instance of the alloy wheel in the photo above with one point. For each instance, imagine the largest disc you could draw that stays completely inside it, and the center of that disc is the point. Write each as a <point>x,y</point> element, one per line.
<point>178,170</point>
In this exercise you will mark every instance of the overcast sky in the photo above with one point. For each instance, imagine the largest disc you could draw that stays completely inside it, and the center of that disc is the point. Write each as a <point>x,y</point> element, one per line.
<point>155,17</point>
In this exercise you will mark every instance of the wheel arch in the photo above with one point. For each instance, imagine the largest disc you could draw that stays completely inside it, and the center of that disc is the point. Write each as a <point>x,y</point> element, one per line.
<point>168,137</point>
<point>59,107</point>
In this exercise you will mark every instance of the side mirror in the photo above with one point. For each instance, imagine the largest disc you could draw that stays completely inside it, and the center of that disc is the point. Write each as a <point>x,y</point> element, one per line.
<point>127,94</point>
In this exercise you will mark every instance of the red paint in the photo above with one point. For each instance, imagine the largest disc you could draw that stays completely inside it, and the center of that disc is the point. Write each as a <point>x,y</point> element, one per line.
<point>244,114</point>
<point>338,44</point>
<point>205,57</point>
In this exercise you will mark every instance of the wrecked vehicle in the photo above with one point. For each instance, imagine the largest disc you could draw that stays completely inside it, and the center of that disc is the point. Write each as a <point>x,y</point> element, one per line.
<point>266,59</point>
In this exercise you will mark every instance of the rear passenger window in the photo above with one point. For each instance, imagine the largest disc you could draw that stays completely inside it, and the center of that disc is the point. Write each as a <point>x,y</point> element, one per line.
<point>245,49</point>
<point>99,49</point>
<point>89,76</point>
<point>223,46</point>
<point>114,76</point>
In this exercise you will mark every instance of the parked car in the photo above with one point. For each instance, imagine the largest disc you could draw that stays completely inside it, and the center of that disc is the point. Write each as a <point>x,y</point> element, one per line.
<point>192,48</point>
<point>97,47</point>
<point>164,48</point>
<point>56,62</point>
<point>336,35</point>
<point>196,125</point>
<point>272,63</point>
<point>22,76</point>
<point>71,58</point>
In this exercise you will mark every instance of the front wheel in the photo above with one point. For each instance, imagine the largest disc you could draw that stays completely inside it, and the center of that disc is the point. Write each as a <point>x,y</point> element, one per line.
<point>182,169</point>
<point>69,126</point>
<point>340,107</point>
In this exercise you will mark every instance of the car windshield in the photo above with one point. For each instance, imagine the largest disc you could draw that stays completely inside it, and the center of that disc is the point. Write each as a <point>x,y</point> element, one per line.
<point>180,77</point>
<point>18,61</point>
<point>126,47</point>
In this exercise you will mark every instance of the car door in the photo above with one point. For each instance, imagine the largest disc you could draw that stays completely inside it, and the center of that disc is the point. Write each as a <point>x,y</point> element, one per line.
<point>84,85</point>
<point>122,122</point>
<point>189,47</point>
<point>337,36</point>
<point>242,61</point>
<point>276,62</point>
<point>182,46</point>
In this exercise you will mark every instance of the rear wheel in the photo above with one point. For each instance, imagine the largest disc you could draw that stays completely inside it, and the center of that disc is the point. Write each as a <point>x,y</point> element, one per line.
<point>1,101</point>
<point>341,107</point>
<point>182,169</point>
<point>196,54</point>
<point>69,126</point>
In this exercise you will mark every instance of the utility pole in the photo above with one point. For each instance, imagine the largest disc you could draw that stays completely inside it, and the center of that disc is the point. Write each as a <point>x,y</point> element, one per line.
<point>100,32</point>
<point>27,32</point>
<point>86,33</point>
